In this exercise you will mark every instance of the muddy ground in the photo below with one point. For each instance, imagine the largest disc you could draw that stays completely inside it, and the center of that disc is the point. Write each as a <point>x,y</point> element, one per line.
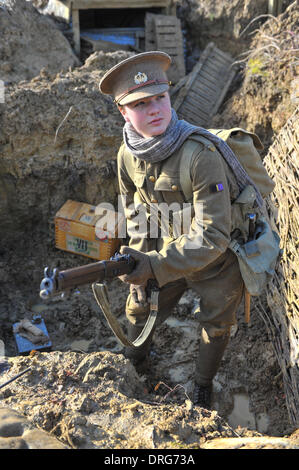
<point>58,140</point>
<point>248,390</point>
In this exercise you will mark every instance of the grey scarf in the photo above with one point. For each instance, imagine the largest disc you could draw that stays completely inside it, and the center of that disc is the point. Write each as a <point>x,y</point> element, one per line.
<point>158,148</point>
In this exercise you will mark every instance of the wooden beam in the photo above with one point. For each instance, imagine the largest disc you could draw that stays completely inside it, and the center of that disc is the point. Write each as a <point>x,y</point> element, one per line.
<point>274,7</point>
<point>76,30</point>
<point>170,9</point>
<point>59,8</point>
<point>103,4</point>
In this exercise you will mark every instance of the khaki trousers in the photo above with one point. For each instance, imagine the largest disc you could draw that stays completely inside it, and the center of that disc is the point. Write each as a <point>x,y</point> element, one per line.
<point>220,288</point>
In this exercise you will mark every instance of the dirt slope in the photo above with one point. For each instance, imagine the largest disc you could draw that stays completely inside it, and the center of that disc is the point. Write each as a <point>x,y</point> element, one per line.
<point>58,138</point>
<point>29,42</point>
<point>268,94</point>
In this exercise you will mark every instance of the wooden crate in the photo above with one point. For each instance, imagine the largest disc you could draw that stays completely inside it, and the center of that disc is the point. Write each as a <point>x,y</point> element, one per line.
<point>200,93</point>
<point>78,230</point>
<point>163,33</point>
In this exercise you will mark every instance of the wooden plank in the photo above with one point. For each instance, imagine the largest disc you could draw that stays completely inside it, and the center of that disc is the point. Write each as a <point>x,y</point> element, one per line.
<point>76,30</point>
<point>197,102</point>
<point>213,66</point>
<point>103,4</point>
<point>197,109</point>
<point>219,59</point>
<point>166,29</point>
<point>209,78</point>
<point>205,88</point>
<point>213,83</point>
<point>221,55</point>
<point>210,81</point>
<point>201,92</point>
<point>150,34</point>
<point>165,20</point>
<point>58,8</point>
<point>204,85</point>
<point>200,97</point>
<point>205,106</point>
<point>189,102</point>
<point>164,33</point>
<point>193,113</point>
<point>192,76</point>
<point>207,94</point>
<point>204,79</point>
<point>194,118</point>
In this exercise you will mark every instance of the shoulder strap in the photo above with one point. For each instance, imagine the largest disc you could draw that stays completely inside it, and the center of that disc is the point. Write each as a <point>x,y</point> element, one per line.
<point>186,163</point>
<point>245,151</point>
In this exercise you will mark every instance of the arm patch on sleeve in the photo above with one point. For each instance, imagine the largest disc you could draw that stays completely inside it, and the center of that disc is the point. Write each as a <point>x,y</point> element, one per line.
<point>217,187</point>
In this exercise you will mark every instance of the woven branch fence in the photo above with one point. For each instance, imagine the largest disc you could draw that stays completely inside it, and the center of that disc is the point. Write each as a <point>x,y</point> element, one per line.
<point>281,314</point>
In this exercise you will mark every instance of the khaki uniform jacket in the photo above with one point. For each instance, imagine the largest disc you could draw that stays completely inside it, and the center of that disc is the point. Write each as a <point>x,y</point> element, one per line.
<point>145,184</point>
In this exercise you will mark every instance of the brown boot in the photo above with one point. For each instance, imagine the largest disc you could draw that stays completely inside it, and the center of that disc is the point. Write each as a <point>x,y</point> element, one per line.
<point>138,356</point>
<point>211,350</point>
<point>202,396</point>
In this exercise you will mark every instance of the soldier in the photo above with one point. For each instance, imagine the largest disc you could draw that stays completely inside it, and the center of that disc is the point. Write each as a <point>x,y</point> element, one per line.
<point>150,163</point>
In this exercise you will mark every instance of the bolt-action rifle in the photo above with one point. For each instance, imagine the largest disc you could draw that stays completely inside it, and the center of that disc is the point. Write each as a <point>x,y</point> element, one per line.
<point>56,281</point>
<point>97,273</point>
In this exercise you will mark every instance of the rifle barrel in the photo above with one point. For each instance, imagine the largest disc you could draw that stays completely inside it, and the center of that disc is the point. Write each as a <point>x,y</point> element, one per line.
<point>59,281</point>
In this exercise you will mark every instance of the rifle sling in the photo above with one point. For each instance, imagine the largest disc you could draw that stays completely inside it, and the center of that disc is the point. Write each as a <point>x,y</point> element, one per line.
<point>101,295</point>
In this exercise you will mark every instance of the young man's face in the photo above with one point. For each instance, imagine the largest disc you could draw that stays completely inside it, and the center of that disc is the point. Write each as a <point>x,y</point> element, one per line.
<point>149,116</point>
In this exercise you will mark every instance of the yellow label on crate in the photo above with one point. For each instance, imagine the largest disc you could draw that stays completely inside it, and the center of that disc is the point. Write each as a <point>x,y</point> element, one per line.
<point>78,245</point>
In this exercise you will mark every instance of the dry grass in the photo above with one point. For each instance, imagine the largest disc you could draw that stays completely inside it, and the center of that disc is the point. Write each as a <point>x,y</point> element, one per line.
<point>275,46</point>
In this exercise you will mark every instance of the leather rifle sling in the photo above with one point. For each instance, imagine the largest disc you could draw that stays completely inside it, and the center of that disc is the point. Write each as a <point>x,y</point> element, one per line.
<point>101,295</point>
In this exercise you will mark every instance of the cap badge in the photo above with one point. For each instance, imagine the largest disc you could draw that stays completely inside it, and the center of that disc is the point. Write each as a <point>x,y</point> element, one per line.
<point>140,77</point>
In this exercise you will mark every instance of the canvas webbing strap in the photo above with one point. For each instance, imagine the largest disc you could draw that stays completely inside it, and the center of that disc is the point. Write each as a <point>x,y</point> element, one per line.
<point>101,295</point>
<point>186,163</point>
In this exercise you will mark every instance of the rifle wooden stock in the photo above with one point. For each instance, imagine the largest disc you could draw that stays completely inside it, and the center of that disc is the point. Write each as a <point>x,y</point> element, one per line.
<point>59,281</point>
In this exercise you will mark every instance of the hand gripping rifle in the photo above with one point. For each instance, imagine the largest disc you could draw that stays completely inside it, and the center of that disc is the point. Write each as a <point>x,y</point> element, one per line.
<point>97,273</point>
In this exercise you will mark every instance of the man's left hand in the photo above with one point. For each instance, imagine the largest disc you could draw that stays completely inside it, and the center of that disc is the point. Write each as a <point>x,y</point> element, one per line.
<point>142,271</point>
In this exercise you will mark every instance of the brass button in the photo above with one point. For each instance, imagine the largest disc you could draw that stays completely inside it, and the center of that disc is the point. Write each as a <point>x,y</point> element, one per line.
<point>152,178</point>
<point>154,200</point>
<point>174,187</point>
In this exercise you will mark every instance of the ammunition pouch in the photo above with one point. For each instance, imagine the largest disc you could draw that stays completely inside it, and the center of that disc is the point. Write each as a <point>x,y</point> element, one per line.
<point>257,257</point>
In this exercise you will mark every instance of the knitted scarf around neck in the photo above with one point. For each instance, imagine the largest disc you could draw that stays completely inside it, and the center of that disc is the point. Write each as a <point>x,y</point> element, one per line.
<point>158,148</point>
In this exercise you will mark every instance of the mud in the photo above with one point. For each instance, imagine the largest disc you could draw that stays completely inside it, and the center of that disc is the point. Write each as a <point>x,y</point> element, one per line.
<point>58,140</point>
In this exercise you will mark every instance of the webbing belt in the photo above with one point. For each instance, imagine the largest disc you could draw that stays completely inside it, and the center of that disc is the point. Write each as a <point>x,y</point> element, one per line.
<point>101,295</point>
